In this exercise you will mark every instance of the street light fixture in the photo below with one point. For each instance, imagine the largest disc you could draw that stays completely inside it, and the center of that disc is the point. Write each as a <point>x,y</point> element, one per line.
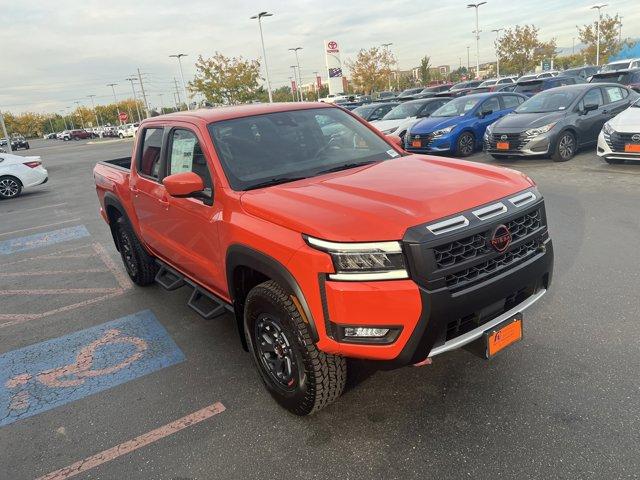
<point>497,32</point>
<point>477,32</point>
<point>598,7</point>
<point>259,16</point>
<point>95,112</point>
<point>295,50</point>
<point>184,87</point>
<point>115,99</point>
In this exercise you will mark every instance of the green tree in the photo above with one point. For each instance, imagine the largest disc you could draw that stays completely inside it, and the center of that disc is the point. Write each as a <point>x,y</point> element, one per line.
<point>570,61</point>
<point>425,73</point>
<point>371,69</point>
<point>226,80</point>
<point>521,50</point>
<point>609,36</point>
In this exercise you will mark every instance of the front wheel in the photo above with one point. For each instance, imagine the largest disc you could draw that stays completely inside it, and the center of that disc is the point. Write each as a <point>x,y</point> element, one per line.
<point>139,264</point>
<point>465,144</point>
<point>10,187</point>
<point>565,148</point>
<point>298,376</point>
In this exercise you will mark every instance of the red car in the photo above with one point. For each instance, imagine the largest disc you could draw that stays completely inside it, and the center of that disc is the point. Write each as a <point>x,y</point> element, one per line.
<point>78,134</point>
<point>326,240</point>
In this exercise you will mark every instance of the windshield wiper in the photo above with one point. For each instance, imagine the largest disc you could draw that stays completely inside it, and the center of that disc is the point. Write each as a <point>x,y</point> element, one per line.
<point>344,166</point>
<point>275,181</point>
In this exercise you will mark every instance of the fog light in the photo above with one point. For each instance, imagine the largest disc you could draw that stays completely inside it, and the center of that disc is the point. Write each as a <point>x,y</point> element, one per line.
<point>365,332</point>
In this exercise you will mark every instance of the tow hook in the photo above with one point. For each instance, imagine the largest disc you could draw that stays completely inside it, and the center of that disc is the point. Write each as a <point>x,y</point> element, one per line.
<point>426,361</point>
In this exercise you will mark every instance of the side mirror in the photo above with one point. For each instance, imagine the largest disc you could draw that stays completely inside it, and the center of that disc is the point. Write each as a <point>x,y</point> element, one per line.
<point>395,140</point>
<point>423,114</point>
<point>485,113</point>
<point>590,107</point>
<point>184,184</point>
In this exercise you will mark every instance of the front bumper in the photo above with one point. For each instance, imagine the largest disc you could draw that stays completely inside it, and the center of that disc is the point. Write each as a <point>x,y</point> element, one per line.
<point>519,146</point>
<point>605,151</point>
<point>430,144</point>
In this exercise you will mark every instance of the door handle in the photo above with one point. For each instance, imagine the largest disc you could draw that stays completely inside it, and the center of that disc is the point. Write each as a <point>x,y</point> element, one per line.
<point>164,202</point>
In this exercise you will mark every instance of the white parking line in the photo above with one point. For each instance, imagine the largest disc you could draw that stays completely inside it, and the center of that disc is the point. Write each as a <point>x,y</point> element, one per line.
<point>36,208</point>
<point>39,226</point>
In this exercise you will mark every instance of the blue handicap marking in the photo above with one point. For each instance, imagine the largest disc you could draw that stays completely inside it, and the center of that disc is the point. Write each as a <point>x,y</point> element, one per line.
<point>43,376</point>
<point>39,240</point>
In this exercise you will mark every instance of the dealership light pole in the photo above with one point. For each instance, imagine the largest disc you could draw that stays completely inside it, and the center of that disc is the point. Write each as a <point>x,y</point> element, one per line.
<point>70,118</point>
<point>295,50</point>
<point>386,47</point>
<point>184,87</point>
<point>295,79</point>
<point>315,82</point>
<point>477,32</point>
<point>95,112</point>
<point>259,16</point>
<point>115,99</point>
<point>598,7</point>
<point>293,95</point>
<point>79,114</point>
<point>64,119</point>
<point>468,61</point>
<point>135,98</point>
<point>497,32</point>
<point>6,135</point>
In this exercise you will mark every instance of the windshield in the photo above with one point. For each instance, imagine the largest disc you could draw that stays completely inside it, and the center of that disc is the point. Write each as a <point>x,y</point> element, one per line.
<point>402,111</point>
<point>528,87</point>
<point>549,101</point>
<point>459,86</point>
<point>278,147</point>
<point>456,108</point>
<point>488,83</point>
<point>364,110</point>
<point>622,77</point>
<point>410,91</point>
<point>612,67</point>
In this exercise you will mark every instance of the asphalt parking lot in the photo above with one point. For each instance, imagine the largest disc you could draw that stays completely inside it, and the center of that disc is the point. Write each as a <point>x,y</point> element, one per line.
<point>177,398</point>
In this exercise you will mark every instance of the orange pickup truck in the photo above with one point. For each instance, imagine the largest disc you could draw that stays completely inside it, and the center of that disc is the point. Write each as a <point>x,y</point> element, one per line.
<point>325,240</point>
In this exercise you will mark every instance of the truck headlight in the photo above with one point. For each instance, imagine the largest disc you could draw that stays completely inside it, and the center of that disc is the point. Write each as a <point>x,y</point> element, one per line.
<point>534,132</point>
<point>443,131</point>
<point>363,261</point>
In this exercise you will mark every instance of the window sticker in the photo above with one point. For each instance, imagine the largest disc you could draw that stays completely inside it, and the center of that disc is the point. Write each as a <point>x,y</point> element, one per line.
<point>182,154</point>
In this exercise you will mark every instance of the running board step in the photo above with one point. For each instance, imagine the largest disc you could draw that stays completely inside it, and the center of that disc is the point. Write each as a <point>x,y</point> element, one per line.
<point>168,279</point>
<point>205,305</point>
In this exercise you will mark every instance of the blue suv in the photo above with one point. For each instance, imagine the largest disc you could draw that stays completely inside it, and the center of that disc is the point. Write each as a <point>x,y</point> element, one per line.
<point>458,126</point>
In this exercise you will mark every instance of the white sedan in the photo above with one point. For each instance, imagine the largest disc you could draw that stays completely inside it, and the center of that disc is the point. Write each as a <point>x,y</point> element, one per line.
<point>619,139</point>
<point>18,172</point>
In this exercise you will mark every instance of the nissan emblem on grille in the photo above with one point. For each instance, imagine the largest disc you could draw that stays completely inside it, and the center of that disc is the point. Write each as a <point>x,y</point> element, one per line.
<point>636,137</point>
<point>503,137</point>
<point>501,238</point>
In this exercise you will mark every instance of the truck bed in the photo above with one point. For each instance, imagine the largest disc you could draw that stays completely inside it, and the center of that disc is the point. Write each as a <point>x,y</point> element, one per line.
<point>123,162</point>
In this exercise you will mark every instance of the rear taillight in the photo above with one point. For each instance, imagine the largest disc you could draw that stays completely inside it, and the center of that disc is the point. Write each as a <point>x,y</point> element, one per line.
<point>32,164</point>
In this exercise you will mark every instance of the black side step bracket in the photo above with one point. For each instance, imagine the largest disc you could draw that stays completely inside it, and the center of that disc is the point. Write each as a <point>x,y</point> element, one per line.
<point>205,304</point>
<point>168,279</point>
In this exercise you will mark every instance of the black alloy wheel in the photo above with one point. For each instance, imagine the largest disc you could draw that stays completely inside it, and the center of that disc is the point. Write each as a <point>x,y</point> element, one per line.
<point>465,145</point>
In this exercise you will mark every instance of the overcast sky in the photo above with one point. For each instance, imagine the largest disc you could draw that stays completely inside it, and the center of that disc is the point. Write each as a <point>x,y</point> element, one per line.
<point>54,53</point>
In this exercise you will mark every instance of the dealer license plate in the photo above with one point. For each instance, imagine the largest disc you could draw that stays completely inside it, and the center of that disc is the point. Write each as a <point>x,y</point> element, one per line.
<point>503,335</point>
<point>632,147</point>
<point>503,145</point>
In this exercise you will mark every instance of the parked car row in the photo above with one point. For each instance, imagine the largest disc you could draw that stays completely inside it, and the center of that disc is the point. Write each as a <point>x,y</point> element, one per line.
<point>17,142</point>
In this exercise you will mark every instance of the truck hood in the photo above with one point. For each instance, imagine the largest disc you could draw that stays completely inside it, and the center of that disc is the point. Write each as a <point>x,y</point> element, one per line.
<point>380,201</point>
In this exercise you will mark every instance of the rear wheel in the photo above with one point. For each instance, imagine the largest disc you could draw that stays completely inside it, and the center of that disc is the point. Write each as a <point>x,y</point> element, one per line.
<point>565,148</point>
<point>298,376</point>
<point>10,187</point>
<point>465,145</point>
<point>139,264</point>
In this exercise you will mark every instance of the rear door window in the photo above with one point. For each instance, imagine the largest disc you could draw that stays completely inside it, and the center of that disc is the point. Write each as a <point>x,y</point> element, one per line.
<point>614,94</point>
<point>149,153</point>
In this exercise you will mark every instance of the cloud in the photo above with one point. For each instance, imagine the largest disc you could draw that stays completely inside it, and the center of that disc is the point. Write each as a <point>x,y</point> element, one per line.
<point>55,53</point>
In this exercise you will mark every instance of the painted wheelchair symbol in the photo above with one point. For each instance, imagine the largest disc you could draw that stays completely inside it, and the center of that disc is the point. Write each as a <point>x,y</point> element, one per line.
<point>77,373</point>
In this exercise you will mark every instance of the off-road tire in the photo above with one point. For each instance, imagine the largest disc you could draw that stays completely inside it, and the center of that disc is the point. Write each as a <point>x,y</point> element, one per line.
<point>317,378</point>
<point>138,263</point>
<point>463,148</point>
<point>563,152</point>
